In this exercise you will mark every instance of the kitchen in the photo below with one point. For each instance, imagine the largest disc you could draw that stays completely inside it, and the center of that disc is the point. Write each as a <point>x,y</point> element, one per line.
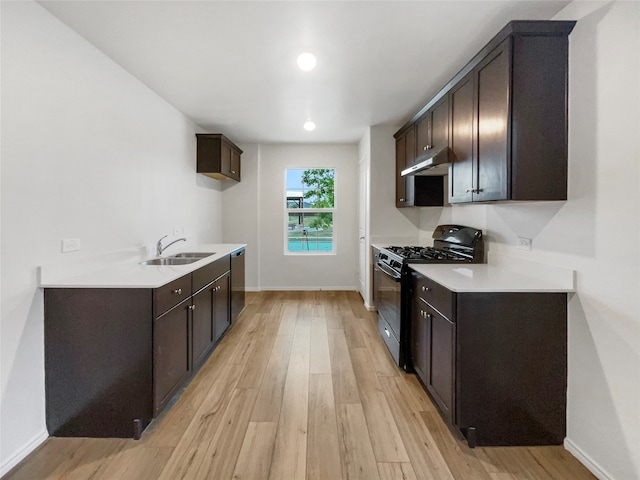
<point>52,125</point>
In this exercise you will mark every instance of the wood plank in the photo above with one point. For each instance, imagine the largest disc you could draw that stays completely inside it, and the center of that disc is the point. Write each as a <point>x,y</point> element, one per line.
<point>88,460</point>
<point>251,376</point>
<point>136,461</point>
<point>332,311</point>
<point>222,454</point>
<point>246,345</point>
<point>560,463</point>
<point>288,320</point>
<point>396,471</point>
<point>290,452</point>
<point>269,402</point>
<point>358,460</point>
<point>191,451</point>
<point>301,338</point>
<point>385,438</point>
<point>51,457</point>
<point>254,460</point>
<point>416,393</point>
<point>426,459</point>
<point>319,358</point>
<point>460,459</point>
<point>323,453</point>
<point>345,388</point>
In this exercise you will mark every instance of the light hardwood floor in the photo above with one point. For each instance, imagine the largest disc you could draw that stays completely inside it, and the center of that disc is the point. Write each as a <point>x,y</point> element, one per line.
<point>301,387</point>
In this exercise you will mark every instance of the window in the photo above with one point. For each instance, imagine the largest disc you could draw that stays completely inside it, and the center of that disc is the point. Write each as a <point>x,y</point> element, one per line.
<point>309,210</point>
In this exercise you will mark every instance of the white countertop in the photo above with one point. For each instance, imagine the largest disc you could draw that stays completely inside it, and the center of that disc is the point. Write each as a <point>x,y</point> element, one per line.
<point>507,274</point>
<point>123,270</point>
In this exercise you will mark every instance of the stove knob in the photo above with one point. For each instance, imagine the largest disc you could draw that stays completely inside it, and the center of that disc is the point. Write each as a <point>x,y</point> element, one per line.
<point>425,289</point>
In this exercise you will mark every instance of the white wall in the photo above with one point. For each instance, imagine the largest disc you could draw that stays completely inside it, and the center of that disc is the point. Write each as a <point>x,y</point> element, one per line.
<point>259,205</point>
<point>240,215</point>
<point>586,234</point>
<point>387,221</point>
<point>88,152</point>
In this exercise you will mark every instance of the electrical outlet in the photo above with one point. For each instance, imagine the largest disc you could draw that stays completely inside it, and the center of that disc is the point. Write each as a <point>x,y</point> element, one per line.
<point>70,245</point>
<point>523,243</point>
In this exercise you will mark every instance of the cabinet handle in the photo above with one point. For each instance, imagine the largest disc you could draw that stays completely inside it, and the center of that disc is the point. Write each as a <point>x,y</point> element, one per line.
<point>474,190</point>
<point>177,290</point>
<point>387,332</point>
<point>425,289</point>
<point>428,147</point>
<point>401,199</point>
<point>233,171</point>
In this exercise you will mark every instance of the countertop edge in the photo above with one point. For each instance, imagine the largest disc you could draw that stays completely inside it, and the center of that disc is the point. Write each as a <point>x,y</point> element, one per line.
<point>486,278</point>
<point>129,273</point>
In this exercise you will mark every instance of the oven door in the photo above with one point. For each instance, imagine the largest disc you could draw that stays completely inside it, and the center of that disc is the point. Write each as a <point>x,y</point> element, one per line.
<point>387,295</point>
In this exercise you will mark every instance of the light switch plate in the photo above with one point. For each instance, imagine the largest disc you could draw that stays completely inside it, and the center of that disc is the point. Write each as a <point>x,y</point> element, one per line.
<point>523,243</point>
<point>70,245</point>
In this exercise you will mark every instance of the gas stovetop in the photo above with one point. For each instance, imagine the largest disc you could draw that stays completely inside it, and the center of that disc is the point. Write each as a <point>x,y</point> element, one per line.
<point>452,244</point>
<point>427,253</point>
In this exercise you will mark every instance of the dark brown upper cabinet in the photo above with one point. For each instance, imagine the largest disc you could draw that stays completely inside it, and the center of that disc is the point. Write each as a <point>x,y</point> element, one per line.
<point>414,191</point>
<point>218,157</point>
<point>433,130</point>
<point>506,118</point>
<point>405,152</point>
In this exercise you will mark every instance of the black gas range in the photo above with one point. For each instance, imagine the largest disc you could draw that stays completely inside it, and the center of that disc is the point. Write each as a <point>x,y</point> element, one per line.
<point>452,244</point>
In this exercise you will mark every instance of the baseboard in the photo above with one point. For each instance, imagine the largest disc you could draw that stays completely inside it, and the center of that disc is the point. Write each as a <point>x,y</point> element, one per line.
<point>20,455</point>
<point>587,461</point>
<point>304,289</point>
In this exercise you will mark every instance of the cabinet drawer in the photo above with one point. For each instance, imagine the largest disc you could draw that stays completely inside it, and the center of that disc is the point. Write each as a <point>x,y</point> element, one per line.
<point>207,274</point>
<point>171,294</point>
<point>435,295</point>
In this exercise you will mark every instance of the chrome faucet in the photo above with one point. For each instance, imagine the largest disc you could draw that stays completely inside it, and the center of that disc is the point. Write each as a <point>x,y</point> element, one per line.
<point>160,248</point>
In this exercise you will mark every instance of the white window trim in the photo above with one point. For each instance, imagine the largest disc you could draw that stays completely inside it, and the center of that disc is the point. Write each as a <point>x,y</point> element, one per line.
<point>286,212</point>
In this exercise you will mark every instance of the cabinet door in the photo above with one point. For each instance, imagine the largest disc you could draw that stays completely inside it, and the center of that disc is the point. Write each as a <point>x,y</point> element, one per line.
<point>440,125</point>
<point>404,185</point>
<point>493,104</point>
<point>441,358</point>
<point>461,114</point>
<point>225,158</point>
<point>202,324</point>
<point>234,165</point>
<point>171,356</point>
<point>423,137</point>
<point>420,339</point>
<point>221,311</point>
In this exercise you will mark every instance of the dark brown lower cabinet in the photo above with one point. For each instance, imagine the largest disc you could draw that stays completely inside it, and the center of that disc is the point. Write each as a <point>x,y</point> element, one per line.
<point>497,368</point>
<point>203,338</point>
<point>222,306</point>
<point>171,356</point>
<point>433,354</point>
<point>114,358</point>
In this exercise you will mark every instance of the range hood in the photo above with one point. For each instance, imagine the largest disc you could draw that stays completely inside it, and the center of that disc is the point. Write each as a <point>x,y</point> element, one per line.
<point>437,163</point>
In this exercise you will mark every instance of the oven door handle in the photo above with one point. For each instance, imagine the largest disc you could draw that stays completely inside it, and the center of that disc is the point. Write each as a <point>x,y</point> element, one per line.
<point>388,271</point>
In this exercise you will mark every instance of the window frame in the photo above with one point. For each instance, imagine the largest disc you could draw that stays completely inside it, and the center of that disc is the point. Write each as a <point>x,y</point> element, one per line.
<point>303,210</point>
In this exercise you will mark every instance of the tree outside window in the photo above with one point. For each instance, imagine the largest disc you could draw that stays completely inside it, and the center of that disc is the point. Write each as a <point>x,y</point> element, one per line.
<point>310,204</point>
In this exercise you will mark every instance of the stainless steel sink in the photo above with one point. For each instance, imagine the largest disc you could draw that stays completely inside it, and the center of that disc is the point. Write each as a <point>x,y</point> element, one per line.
<point>197,255</point>
<point>169,261</point>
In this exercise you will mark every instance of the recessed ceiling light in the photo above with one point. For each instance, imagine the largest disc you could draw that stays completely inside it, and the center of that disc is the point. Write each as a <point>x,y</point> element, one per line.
<point>306,61</point>
<point>309,125</point>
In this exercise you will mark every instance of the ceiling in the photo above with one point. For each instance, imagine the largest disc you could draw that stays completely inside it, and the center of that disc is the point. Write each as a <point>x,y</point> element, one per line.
<point>231,65</point>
